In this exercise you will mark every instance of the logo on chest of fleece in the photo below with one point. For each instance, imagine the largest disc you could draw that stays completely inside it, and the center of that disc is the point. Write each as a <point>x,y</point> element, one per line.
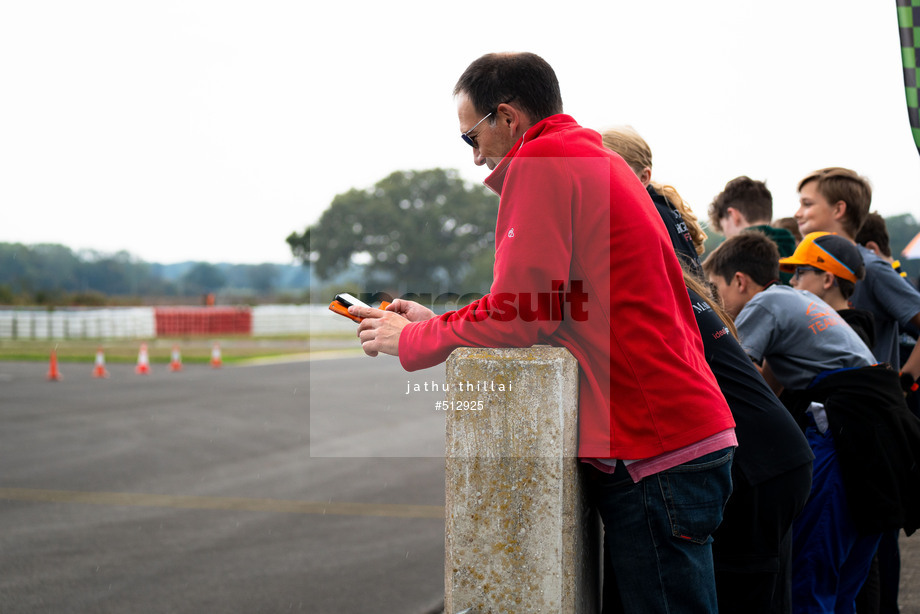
<point>511,233</point>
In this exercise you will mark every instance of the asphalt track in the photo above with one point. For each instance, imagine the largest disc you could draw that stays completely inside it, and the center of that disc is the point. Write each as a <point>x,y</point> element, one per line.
<point>305,486</point>
<point>294,487</point>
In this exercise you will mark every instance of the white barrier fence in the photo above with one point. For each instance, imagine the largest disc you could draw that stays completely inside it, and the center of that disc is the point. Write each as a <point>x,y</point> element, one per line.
<point>140,322</point>
<point>124,322</point>
<point>298,319</point>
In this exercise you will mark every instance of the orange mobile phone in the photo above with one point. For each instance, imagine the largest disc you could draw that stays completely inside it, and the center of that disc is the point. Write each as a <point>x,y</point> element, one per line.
<point>344,300</point>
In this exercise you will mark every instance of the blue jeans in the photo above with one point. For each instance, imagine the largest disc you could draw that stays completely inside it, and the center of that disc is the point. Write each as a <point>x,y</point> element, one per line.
<point>657,535</point>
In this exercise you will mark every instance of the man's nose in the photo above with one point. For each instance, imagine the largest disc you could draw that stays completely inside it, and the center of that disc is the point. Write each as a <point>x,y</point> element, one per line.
<point>478,158</point>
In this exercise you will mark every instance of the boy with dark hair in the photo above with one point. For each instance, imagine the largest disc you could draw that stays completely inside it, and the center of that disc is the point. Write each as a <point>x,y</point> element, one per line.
<point>838,395</point>
<point>741,267</point>
<point>746,204</point>
<point>874,235</point>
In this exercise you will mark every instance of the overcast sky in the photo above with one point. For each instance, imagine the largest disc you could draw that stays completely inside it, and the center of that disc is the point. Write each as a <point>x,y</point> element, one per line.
<point>201,130</point>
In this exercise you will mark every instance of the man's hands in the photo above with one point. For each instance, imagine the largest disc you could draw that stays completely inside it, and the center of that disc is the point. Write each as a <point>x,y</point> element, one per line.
<point>380,329</point>
<point>411,310</point>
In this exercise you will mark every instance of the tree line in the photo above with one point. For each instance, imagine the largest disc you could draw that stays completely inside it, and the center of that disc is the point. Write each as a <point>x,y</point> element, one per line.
<point>52,274</point>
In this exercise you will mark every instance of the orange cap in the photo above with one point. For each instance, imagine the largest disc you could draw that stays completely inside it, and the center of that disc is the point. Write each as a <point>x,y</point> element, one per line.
<point>828,252</point>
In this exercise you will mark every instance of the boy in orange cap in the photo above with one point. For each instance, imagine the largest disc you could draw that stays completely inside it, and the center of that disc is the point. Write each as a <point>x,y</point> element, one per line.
<point>828,266</point>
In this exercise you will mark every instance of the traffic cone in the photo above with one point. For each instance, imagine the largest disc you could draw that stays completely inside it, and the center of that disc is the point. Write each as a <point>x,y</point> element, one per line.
<point>99,370</point>
<point>53,373</point>
<point>143,361</point>
<point>175,363</point>
<point>215,356</point>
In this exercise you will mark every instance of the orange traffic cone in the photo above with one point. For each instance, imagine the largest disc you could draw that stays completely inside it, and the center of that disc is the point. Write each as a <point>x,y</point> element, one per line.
<point>216,361</point>
<point>99,370</point>
<point>53,373</point>
<point>143,361</point>
<point>175,363</point>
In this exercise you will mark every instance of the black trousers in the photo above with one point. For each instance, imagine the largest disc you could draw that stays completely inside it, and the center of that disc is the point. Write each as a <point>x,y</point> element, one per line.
<point>752,548</point>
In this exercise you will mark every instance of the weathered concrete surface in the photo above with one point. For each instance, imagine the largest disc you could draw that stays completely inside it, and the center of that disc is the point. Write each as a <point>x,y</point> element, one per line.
<point>909,596</point>
<point>520,536</point>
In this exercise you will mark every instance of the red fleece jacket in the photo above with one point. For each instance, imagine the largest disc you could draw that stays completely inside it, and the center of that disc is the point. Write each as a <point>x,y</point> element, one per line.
<point>584,261</point>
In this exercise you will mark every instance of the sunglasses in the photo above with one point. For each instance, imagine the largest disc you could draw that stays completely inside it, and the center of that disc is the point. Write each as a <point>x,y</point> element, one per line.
<point>471,140</point>
<point>803,268</point>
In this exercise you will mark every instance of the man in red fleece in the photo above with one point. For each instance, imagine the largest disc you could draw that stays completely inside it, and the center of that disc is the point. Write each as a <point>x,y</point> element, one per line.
<point>583,261</point>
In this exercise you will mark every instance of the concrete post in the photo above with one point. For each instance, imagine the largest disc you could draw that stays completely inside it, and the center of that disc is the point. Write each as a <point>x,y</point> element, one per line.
<point>520,536</point>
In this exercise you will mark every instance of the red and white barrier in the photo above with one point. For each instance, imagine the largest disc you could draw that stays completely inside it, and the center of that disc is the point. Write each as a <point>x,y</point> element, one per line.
<point>151,322</point>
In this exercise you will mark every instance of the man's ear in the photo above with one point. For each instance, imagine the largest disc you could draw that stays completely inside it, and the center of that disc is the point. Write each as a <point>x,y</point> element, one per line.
<point>829,280</point>
<point>513,119</point>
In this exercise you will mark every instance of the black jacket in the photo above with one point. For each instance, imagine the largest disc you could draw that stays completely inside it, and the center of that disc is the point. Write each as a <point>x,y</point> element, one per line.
<point>861,321</point>
<point>877,441</point>
<point>680,235</point>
